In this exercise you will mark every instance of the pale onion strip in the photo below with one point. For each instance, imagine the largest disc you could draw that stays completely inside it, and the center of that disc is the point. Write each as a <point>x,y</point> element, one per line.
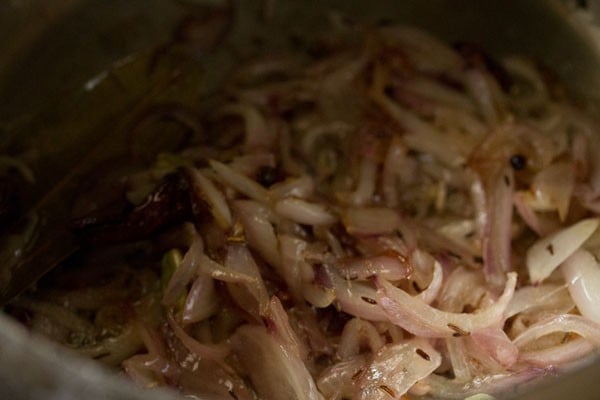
<point>428,295</point>
<point>497,344</point>
<point>184,273</point>
<point>371,220</point>
<point>357,299</point>
<point>498,227</point>
<point>239,182</point>
<point>337,381</point>
<point>548,253</point>
<point>356,333</point>
<point>390,265</point>
<point>301,187</point>
<point>279,326</point>
<point>275,371</point>
<point>201,301</point>
<point>582,274</point>
<point>567,323</point>
<point>547,296</point>
<point>292,256</point>
<point>422,136</point>
<point>423,320</point>
<point>219,272</point>
<point>457,353</point>
<point>573,350</point>
<point>206,189</point>
<point>146,370</point>
<point>240,259</point>
<point>479,86</point>
<point>211,352</point>
<point>527,214</point>
<point>367,178</point>
<point>258,230</point>
<point>303,212</point>
<point>397,367</point>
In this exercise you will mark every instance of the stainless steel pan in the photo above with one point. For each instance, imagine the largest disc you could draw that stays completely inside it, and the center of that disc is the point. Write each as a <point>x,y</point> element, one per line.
<point>49,50</point>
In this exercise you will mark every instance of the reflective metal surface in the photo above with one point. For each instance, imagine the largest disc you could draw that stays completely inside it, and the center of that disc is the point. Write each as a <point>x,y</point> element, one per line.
<point>50,49</point>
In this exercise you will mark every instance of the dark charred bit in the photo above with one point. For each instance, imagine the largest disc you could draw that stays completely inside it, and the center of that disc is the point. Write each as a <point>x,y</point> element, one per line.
<point>268,175</point>
<point>475,57</point>
<point>550,249</point>
<point>169,204</point>
<point>518,162</point>
<point>423,354</point>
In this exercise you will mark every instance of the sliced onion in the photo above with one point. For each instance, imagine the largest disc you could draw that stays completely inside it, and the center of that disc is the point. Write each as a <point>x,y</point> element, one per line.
<point>275,371</point>
<point>303,212</point>
<point>552,189</point>
<point>498,227</point>
<point>573,350</point>
<point>547,253</point>
<point>258,229</point>
<point>562,323</point>
<point>428,295</point>
<point>582,274</point>
<point>300,188</point>
<point>279,326</point>
<point>337,381</point>
<point>423,320</point>
<point>389,265</point>
<point>543,297</point>
<point>205,189</point>
<point>212,352</point>
<point>366,183</point>
<point>357,333</point>
<point>457,353</point>
<point>239,182</point>
<point>357,299</point>
<point>396,368</point>
<point>371,220</point>
<point>201,301</point>
<point>239,259</point>
<point>292,260</point>
<point>496,343</point>
<point>184,274</point>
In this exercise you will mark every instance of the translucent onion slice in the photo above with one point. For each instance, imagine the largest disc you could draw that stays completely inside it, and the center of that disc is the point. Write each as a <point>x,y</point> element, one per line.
<point>567,323</point>
<point>582,273</point>
<point>206,189</point>
<point>356,334</point>
<point>276,372</point>
<point>338,381</point>
<point>549,252</point>
<point>497,344</point>
<point>255,218</point>
<point>543,297</point>
<point>186,271</point>
<point>303,212</point>
<point>568,352</point>
<point>239,182</point>
<point>396,368</point>
<point>423,320</point>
